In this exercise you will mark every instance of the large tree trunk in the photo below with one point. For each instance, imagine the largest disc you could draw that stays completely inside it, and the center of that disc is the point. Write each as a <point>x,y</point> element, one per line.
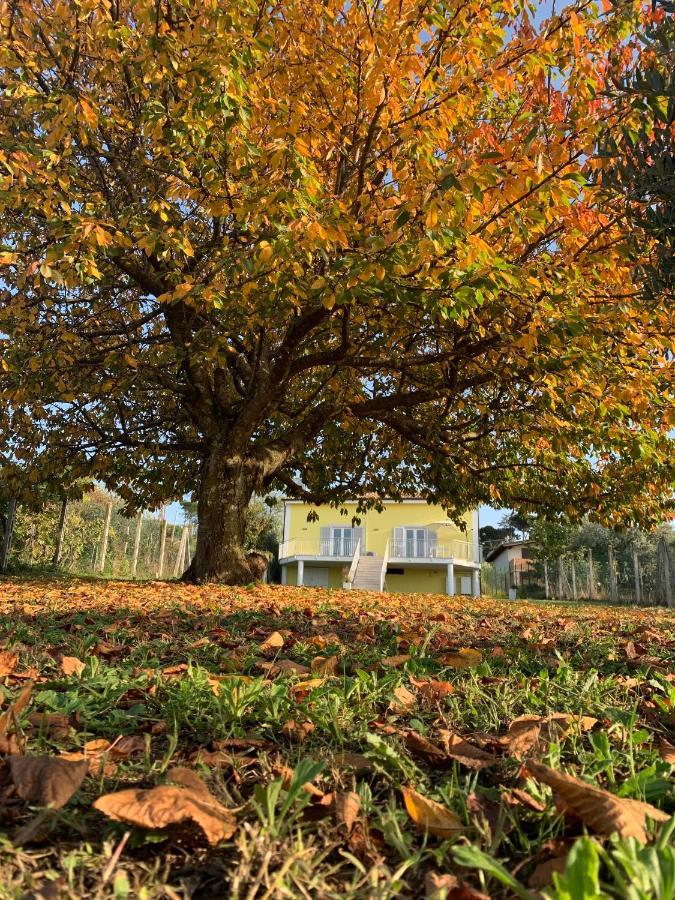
<point>224,494</point>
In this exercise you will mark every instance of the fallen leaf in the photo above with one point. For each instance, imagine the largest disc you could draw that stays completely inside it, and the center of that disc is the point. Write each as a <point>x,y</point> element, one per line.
<point>302,688</point>
<point>8,662</point>
<point>347,806</point>
<point>166,805</point>
<point>395,662</point>
<point>429,816</point>
<point>465,753</point>
<point>217,681</point>
<point>667,751</point>
<point>297,731</point>
<point>465,658</point>
<point>431,689</point>
<point>439,886</point>
<point>597,808</point>
<point>282,667</point>
<point>46,780</point>
<point>274,642</point>
<point>287,775</point>
<point>355,761</point>
<point>325,665</point>
<point>530,733</point>
<point>518,797</point>
<point>71,665</point>
<point>542,874</point>
<point>424,748</point>
<point>12,714</point>
<point>403,700</point>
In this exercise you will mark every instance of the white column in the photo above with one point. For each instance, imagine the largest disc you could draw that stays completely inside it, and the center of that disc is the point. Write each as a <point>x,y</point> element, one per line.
<point>301,571</point>
<point>476,583</point>
<point>283,575</point>
<point>450,579</point>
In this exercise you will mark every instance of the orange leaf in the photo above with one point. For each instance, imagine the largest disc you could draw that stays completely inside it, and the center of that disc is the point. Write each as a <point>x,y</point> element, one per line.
<point>166,805</point>
<point>71,665</point>
<point>430,817</point>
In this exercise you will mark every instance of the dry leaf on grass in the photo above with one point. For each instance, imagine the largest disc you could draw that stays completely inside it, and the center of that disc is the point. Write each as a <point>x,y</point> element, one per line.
<point>355,761</point>
<point>46,780</point>
<point>167,804</point>
<point>71,665</point>
<point>605,813</point>
<point>8,743</point>
<point>542,874</point>
<point>518,797</point>
<point>8,662</point>
<point>272,643</point>
<point>302,688</point>
<point>297,731</point>
<point>395,662</point>
<point>465,658</point>
<point>431,689</point>
<point>430,817</point>
<point>667,751</point>
<point>403,700</point>
<point>325,665</point>
<point>455,749</point>
<point>347,805</point>
<point>465,753</point>
<point>439,886</point>
<point>281,667</point>
<point>529,734</point>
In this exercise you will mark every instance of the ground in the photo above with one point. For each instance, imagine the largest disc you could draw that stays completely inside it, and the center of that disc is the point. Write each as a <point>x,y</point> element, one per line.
<point>296,742</point>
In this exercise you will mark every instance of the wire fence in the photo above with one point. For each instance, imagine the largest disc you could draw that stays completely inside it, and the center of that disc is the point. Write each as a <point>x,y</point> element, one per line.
<point>631,574</point>
<point>92,536</point>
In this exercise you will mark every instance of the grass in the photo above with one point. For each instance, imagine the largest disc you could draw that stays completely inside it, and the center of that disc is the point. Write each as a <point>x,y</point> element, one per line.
<point>154,659</point>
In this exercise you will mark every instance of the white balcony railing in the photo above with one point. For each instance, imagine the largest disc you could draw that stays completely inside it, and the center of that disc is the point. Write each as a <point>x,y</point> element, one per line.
<point>426,550</point>
<point>398,550</point>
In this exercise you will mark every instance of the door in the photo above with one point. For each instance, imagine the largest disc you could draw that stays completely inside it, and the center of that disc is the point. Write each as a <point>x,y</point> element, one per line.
<point>343,542</point>
<point>415,542</point>
<point>314,576</point>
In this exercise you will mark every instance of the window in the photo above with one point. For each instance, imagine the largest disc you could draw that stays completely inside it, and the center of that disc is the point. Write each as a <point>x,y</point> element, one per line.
<point>391,570</point>
<point>343,541</point>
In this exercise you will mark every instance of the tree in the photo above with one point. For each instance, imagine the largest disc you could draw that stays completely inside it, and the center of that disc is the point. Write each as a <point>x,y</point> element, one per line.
<point>324,248</point>
<point>642,169</point>
<point>516,523</point>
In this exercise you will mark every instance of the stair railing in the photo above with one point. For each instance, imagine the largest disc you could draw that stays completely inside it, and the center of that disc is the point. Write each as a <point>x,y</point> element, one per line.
<point>355,562</point>
<point>383,570</point>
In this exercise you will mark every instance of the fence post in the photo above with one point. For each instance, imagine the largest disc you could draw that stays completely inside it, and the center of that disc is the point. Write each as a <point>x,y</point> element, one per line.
<point>547,591</point>
<point>177,569</point>
<point>611,565</point>
<point>104,536</point>
<point>60,533</point>
<point>590,574</point>
<point>137,543</point>
<point>636,575</point>
<point>162,541</point>
<point>7,537</point>
<point>574,578</point>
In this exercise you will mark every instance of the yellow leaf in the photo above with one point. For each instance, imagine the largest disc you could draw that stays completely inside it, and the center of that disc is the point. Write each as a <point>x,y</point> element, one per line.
<point>71,665</point>
<point>462,659</point>
<point>430,817</point>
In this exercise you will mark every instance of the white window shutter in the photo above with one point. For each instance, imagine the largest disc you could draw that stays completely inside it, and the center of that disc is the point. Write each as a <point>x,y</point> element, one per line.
<point>432,542</point>
<point>325,549</point>
<point>399,542</point>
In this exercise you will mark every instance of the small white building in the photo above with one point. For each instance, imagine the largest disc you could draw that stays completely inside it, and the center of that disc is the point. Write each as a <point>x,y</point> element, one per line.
<point>512,558</point>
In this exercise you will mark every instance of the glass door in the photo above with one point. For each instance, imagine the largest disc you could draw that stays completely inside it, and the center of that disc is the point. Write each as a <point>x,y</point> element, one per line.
<point>342,543</point>
<point>415,542</point>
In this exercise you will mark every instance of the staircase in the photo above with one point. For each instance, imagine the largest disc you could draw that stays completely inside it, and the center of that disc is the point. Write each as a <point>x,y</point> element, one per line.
<point>367,575</point>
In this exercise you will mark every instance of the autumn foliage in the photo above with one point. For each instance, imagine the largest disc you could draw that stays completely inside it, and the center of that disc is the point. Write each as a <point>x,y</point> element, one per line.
<point>325,248</point>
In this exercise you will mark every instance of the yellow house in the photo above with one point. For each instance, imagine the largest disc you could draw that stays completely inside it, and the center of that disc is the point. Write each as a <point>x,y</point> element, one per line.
<point>409,547</point>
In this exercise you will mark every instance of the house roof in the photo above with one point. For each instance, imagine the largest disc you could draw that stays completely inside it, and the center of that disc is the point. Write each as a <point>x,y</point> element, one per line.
<point>505,545</point>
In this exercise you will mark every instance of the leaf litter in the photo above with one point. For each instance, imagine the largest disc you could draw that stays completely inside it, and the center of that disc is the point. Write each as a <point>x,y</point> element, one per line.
<point>437,708</point>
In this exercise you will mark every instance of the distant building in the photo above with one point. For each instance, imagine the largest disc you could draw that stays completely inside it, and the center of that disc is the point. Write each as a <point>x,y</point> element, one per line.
<point>513,558</point>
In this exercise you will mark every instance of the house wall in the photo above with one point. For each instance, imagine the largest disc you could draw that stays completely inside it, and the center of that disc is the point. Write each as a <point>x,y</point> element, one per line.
<point>415,580</point>
<point>501,562</point>
<point>377,527</point>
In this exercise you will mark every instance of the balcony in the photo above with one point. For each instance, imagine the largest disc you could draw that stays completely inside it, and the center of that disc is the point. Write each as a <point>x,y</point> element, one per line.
<point>411,551</point>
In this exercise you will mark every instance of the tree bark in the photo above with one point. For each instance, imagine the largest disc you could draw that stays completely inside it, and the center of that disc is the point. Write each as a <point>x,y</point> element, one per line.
<point>225,490</point>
